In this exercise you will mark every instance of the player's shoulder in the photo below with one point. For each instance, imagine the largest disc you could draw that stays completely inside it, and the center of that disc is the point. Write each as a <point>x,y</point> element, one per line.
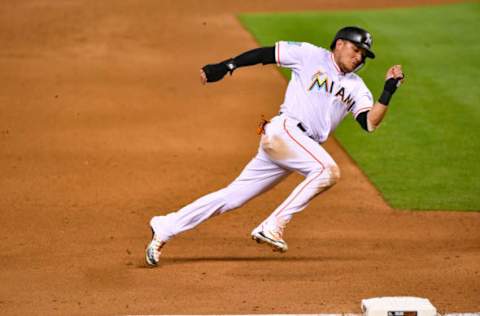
<point>356,78</point>
<point>304,45</point>
<point>357,84</point>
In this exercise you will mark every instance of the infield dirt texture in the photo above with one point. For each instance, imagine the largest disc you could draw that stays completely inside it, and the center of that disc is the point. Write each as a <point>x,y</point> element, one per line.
<point>104,123</point>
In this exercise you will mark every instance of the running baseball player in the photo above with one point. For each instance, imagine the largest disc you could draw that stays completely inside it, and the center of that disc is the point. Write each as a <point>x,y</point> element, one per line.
<point>323,89</point>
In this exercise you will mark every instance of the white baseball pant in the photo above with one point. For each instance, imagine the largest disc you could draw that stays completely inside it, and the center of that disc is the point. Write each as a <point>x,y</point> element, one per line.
<point>283,148</point>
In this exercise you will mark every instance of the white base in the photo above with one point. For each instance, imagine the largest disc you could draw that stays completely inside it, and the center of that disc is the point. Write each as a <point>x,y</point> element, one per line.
<point>398,306</point>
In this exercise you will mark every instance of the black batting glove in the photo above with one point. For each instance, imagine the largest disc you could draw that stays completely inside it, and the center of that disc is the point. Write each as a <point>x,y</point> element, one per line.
<point>216,72</point>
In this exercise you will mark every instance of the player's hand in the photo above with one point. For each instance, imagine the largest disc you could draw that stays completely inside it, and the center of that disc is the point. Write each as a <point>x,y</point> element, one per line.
<point>393,79</point>
<point>396,73</point>
<point>216,72</point>
<point>203,77</point>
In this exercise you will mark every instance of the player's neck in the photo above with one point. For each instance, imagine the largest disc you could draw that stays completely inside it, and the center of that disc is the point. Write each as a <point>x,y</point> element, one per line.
<point>336,64</point>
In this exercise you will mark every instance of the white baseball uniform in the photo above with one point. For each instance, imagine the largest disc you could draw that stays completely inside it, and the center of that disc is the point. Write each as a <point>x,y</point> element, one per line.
<point>317,98</point>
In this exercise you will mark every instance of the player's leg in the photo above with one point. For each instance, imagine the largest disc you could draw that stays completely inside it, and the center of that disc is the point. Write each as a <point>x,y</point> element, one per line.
<point>311,160</point>
<point>259,175</point>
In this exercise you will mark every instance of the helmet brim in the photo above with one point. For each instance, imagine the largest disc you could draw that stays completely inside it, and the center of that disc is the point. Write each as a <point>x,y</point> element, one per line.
<point>369,53</point>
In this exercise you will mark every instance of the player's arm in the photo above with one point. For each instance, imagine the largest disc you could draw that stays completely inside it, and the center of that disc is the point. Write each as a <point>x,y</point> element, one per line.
<point>370,120</point>
<point>215,72</point>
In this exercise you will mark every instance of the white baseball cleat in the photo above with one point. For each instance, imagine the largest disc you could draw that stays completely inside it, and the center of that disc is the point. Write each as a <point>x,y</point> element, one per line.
<point>153,251</point>
<point>270,237</point>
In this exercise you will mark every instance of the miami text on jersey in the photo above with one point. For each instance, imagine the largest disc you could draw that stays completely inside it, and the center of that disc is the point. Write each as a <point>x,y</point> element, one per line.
<point>321,81</point>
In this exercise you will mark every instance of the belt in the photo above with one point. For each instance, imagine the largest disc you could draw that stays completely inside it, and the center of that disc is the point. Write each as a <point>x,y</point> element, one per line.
<point>301,127</point>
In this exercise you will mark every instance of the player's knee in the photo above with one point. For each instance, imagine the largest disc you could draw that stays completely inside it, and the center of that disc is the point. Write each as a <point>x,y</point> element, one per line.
<point>329,176</point>
<point>334,174</point>
<point>325,178</point>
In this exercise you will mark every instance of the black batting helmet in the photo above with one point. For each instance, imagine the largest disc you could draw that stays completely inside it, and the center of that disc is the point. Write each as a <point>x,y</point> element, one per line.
<point>356,35</point>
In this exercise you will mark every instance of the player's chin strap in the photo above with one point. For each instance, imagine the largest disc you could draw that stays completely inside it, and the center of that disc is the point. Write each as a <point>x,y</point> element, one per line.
<point>360,66</point>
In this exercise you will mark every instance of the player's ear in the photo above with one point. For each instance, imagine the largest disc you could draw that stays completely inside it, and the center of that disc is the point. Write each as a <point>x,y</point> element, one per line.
<point>339,44</point>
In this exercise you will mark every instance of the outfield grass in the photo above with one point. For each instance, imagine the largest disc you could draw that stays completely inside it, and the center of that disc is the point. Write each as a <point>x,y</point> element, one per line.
<point>425,156</point>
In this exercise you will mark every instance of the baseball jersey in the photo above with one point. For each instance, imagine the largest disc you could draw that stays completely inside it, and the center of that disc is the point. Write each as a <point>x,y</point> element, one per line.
<point>319,94</point>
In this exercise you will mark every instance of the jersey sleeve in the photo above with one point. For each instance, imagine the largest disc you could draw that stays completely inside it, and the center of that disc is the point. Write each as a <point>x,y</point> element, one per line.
<point>363,102</point>
<point>292,54</point>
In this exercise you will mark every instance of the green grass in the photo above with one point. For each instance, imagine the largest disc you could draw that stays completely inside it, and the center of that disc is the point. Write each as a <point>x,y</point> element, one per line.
<point>426,154</point>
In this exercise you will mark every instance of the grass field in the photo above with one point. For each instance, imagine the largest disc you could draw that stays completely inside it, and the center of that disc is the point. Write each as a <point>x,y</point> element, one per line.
<point>426,154</point>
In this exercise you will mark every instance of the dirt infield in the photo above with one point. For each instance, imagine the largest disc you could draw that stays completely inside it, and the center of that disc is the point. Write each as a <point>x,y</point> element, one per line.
<point>103,124</point>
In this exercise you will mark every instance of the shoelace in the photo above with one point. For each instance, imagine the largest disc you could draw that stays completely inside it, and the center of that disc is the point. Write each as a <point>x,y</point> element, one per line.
<point>278,233</point>
<point>158,244</point>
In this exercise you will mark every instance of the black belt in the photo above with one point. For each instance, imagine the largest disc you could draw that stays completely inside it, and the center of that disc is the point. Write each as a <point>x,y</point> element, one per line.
<point>301,127</point>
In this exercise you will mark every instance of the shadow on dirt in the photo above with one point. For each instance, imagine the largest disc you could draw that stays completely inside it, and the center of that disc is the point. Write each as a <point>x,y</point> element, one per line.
<point>194,260</point>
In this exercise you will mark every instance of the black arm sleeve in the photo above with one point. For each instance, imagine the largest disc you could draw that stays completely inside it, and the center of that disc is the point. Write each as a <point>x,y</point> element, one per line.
<point>362,120</point>
<point>264,55</point>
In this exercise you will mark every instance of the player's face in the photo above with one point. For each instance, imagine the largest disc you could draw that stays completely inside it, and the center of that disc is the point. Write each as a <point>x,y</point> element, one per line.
<point>348,56</point>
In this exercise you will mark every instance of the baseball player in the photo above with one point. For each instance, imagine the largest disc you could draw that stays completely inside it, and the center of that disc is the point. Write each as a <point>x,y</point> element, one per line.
<point>323,89</point>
